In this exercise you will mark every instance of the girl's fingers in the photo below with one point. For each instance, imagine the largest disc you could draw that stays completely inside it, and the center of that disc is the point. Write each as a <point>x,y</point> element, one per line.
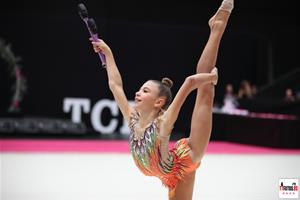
<point>97,49</point>
<point>95,45</point>
<point>98,45</point>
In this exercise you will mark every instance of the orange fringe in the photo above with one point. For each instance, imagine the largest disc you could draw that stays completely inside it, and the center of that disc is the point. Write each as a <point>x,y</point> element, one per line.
<point>183,165</point>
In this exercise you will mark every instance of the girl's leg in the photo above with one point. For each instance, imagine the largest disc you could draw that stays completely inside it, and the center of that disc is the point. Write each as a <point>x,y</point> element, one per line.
<point>184,189</point>
<point>202,115</point>
<point>217,25</point>
<point>201,123</point>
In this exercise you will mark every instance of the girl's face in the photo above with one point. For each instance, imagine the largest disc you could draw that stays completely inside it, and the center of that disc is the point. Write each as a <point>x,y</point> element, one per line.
<point>146,99</point>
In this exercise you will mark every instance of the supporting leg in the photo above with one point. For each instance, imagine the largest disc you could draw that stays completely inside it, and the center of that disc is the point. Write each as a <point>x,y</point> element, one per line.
<point>184,189</point>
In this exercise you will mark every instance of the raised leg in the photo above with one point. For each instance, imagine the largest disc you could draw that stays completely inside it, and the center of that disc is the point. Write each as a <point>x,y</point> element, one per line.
<point>201,123</point>
<point>217,25</point>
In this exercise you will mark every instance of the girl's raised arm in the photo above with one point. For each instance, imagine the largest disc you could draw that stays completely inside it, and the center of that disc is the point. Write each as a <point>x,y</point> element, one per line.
<point>114,78</point>
<point>192,82</point>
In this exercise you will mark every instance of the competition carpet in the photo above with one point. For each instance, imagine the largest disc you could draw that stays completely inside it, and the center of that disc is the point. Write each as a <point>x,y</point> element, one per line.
<point>97,170</point>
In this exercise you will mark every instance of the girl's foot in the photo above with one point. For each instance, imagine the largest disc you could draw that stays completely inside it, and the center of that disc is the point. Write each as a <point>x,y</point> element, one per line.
<point>222,15</point>
<point>227,5</point>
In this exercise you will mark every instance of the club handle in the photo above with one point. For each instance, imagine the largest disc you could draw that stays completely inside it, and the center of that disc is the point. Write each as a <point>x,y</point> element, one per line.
<point>101,55</point>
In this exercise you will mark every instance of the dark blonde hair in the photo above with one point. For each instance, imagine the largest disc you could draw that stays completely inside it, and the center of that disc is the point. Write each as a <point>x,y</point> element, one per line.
<point>164,87</point>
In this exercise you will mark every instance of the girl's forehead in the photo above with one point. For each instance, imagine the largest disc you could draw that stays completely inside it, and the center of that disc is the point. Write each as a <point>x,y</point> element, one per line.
<point>150,84</point>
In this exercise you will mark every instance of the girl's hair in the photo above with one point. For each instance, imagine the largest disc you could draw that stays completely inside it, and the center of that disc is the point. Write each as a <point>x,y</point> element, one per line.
<point>164,87</point>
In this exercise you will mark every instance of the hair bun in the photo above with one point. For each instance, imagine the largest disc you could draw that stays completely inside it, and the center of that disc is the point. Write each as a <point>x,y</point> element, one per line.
<point>167,82</point>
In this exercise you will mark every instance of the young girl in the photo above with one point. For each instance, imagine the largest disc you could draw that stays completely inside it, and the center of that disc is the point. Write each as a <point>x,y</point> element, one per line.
<point>152,117</point>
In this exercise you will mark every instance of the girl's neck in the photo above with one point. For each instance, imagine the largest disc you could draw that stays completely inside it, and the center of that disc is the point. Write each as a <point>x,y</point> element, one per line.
<point>147,117</point>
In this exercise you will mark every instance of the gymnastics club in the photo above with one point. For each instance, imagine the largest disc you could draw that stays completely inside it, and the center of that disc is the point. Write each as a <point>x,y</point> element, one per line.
<point>92,28</point>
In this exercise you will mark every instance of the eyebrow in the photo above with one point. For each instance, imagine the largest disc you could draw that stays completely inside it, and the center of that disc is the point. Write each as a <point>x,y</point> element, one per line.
<point>146,88</point>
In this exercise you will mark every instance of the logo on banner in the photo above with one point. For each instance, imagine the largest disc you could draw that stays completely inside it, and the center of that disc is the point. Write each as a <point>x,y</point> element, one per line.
<point>79,106</point>
<point>288,188</point>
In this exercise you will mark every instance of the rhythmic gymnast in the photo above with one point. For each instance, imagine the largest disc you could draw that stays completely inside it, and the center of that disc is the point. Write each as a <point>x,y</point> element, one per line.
<point>154,113</point>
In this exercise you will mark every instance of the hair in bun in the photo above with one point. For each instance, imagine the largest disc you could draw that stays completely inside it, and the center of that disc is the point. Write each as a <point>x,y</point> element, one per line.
<point>164,88</point>
<point>167,82</point>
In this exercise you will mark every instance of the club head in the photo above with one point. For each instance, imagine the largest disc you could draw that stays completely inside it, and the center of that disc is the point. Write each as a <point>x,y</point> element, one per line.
<point>82,11</point>
<point>92,25</point>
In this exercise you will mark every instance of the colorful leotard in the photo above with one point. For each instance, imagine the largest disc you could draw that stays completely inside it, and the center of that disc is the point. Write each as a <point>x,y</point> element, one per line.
<point>147,155</point>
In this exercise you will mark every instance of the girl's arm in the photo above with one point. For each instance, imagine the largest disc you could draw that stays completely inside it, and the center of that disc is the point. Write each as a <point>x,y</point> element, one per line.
<point>190,83</point>
<point>114,78</point>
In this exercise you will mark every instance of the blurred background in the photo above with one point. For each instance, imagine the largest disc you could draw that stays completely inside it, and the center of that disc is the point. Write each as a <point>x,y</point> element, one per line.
<point>52,84</point>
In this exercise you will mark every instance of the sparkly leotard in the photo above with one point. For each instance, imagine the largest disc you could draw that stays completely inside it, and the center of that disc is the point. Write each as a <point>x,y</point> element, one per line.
<point>147,153</point>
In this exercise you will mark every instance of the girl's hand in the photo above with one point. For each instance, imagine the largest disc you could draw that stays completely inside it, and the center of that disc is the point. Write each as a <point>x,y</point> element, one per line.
<point>101,46</point>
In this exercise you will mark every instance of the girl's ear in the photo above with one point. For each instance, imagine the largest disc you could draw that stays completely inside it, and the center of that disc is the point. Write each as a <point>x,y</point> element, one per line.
<point>160,102</point>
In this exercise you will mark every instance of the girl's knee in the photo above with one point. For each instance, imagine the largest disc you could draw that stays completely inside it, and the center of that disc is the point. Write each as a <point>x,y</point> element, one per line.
<point>206,95</point>
<point>207,89</point>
